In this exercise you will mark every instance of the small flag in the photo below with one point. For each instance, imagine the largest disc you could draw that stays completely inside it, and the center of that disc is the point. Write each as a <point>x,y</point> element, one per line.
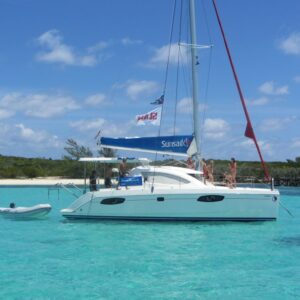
<point>152,117</point>
<point>97,134</point>
<point>159,101</point>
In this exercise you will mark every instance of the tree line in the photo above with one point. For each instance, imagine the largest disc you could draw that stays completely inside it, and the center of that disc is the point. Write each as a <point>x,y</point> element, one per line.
<point>287,173</point>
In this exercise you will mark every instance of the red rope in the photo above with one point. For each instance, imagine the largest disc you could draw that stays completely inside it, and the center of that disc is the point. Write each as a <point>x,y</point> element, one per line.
<point>249,129</point>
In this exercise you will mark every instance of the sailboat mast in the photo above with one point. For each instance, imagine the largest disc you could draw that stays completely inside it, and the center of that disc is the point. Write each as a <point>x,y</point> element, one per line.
<point>194,78</point>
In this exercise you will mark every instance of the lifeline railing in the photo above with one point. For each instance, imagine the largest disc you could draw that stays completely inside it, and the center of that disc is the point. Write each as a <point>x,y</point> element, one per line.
<point>251,181</point>
<point>70,187</point>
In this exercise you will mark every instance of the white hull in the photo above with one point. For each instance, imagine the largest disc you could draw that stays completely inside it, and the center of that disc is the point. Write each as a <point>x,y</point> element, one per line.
<point>240,204</point>
<point>33,212</point>
<point>177,193</point>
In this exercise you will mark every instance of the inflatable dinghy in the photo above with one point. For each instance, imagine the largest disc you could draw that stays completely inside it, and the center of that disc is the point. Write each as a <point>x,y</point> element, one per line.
<point>33,212</point>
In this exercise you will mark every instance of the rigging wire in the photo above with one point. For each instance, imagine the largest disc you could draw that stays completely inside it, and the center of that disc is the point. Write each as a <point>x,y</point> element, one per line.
<point>220,146</point>
<point>177,73</point>
<point>249,132</point>
<point>205,98</point>
<point>184,62</point>
<point>280,203</point>
<point>181,60</point>
<point>166,78</point>
<point>170,46</point>
<point>186,77</point>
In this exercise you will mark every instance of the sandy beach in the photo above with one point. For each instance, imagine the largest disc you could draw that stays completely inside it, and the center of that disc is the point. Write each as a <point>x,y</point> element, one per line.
<point>43,181</point>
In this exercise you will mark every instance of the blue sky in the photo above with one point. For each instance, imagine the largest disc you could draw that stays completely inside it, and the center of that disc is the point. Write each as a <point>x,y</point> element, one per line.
<point>70,68</point>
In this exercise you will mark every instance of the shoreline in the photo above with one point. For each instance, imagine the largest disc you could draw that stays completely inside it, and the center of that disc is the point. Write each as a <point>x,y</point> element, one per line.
<point>51,181</point>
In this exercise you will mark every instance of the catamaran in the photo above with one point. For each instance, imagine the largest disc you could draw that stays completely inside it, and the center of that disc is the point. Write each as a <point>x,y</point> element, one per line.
<point>171,193</point>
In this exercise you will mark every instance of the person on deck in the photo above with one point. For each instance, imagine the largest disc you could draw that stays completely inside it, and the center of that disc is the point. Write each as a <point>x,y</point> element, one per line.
<point>233,170</point>
<point>123,167</point>
<point>205,170</point>
<point>122,171</point>
<point>210,171</point>
<point>228,180</point>
<point>93,181</point>
<point>108,176</point>
<point>190,163</point>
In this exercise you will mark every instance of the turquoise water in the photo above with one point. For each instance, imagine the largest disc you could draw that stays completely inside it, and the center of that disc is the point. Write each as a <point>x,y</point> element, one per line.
<point>58,259</point>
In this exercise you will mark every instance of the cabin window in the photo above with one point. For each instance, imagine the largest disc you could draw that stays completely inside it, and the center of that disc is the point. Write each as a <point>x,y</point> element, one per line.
<point>210,198</point>
<point>112,201</point>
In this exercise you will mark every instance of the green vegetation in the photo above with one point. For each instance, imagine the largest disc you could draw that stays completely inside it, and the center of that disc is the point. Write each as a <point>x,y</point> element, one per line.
<point>19,167</point>
<point>75,151</point>
<point>68,166</point>
<point>286,173</point>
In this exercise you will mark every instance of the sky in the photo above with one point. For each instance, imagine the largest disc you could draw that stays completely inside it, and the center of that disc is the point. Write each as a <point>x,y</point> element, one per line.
<point>71,68</point>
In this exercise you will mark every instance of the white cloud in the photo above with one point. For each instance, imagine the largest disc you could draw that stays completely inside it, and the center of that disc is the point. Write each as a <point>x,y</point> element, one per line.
<point>259,101</point>
<point>107,128</point>
<point>215,125</point>
<point>185,106</point>
<point>88,125</point>
<point>5,114</point>
<point>270,88</point>
<point>297,79</point>
<point>172,52</point>
<point>30,135</point>
<point>265,147</point>
<point>127,41</point>
<point>296,143</point>
<point>271,124</point>
<point>98,47</point>
<point>291,45</point>
<point>87,61</point>
<point>136,89</point>
<point>23,140</point>
<point>45,106</point>
<point>246,143</point>
<point>35,140</point>
<point>55,51</point>
<point>114,130</point>
<point>276,123</point>
<point>38,105</point>
<point>216,129</point>
<point>96,99</point>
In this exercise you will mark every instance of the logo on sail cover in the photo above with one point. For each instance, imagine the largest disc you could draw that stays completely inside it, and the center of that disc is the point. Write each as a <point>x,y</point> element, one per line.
<point>184,142</point>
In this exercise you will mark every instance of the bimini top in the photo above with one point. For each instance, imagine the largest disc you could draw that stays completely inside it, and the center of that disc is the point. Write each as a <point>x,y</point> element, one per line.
<point>114,160</point>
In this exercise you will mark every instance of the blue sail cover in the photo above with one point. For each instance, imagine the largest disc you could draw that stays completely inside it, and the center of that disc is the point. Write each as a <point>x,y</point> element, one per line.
<point>178,145</point>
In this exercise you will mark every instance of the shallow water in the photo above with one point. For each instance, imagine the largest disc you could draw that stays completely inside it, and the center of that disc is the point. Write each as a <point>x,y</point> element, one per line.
<point>58,259</point>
